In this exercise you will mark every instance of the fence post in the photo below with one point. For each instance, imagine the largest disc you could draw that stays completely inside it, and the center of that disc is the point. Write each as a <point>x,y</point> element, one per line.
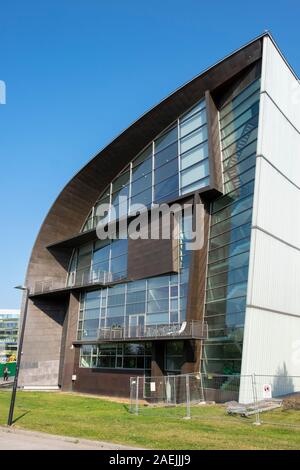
<point>137,396</point>
<point>188,397</point>
<point>257,417</point>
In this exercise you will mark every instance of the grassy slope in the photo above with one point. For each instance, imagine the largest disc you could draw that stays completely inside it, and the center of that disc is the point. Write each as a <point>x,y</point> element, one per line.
<point>92,418</point>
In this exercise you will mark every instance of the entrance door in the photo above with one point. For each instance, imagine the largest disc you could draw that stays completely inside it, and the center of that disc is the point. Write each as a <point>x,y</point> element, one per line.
<point>136,326</point>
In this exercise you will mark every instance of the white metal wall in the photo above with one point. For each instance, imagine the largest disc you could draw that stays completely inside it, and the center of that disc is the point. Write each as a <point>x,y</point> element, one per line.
<point>272,325</point>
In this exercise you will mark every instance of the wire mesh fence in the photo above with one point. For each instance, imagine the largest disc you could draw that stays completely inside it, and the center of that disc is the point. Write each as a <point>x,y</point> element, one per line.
<point>264,399</point>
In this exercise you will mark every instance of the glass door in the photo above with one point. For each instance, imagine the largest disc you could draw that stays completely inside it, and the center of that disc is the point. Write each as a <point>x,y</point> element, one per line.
<point>136,326</point>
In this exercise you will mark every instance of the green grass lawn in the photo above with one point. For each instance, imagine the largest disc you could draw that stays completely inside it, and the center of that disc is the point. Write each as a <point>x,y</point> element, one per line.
<point>92,418</point>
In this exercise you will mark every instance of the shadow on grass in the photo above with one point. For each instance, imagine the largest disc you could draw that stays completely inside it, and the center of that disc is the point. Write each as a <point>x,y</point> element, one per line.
<point>20,417</point>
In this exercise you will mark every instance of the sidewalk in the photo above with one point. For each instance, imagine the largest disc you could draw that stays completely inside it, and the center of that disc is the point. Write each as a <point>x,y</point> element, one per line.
<point>19,439</point>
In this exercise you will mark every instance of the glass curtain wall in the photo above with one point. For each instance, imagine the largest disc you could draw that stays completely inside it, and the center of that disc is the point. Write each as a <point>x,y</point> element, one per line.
<point>99,261</point>
<point>174,164</point>
<point>230,232</point>
<point>159,300</point>
<point>116,356</point>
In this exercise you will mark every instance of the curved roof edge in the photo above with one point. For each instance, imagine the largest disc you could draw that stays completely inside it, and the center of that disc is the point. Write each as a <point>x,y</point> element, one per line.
<point>71,207</point>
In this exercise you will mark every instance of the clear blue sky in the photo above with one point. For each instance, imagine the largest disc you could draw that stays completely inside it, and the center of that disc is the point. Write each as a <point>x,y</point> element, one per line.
<point>79,71</point>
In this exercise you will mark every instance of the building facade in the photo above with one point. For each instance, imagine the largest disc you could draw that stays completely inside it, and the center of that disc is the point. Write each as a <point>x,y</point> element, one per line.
<point>101,311</point>
<point>9,329</point>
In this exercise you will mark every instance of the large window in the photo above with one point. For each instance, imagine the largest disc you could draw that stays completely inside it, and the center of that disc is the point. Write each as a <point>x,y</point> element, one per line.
<point>175,163</point>
<point>116,356</point>
<point>230,232</point>
<point>99,261</point>
<point>158,300</point>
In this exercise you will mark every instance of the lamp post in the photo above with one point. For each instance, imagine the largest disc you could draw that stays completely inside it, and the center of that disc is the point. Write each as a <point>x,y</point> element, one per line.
<point>19,356</point>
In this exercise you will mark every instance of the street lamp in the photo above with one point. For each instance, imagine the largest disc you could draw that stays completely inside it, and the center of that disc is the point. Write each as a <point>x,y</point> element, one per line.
<point>19,356</point>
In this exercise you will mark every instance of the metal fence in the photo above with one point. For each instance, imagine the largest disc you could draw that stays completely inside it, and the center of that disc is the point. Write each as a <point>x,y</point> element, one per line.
<point>263,399</point>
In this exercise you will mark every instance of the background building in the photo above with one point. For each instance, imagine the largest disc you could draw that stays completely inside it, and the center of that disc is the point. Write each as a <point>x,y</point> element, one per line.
<point>101,312</point>
<point>9,328</point>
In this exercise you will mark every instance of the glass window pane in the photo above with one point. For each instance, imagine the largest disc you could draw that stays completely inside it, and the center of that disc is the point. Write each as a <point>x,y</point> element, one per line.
<point>117,299</point>
<point>230,277</point>
<point>230,250</point>
<point>226,292</point>
<point>234,262</point>
<point>189,125</point>
<point>167,188</point>
<point>158,281</point>
<point>170,153</point>
<point>144,197</point>
<point>158,306</point>
<point>240,180</point>
<point>158,318</point>
<point>241,155</point>
<point>92,314</point>
<point>158,293</point>
<point>141,184</point>
<point>232,223</point>
<point>120,182</point>
<point>231,236</point>
<point>228,307</point>
<point>119,265</point>
<point>232,209</point>
<point>135,308</point>
<point>237,170</point>
<point>237,122</point>
<point>241,132</point>
<point>237,146</point>
<point>197,185</point>
<point>198,107</point>
<point>165,139</point>
<point>252,88</point>
<point>141,170</point>
<point>236,194</point>
<point>145,155</point>
<point>196,138</point>
<point>138,296</point>
<point>166,171</point>
<point>195,155</point>
<point>119,247</point>
<point>195,173</point>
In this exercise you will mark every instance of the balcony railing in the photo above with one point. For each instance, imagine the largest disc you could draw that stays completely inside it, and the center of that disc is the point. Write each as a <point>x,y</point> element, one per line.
<point>187,329</point>
<point>79,278</point>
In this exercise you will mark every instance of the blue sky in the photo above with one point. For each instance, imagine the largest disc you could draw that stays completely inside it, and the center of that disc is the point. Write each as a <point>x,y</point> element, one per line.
<point>77,72</point>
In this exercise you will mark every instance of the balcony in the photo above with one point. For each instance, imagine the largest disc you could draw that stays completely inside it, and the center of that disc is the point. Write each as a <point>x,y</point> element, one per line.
<point>185,330</point>
<point>77,279</point>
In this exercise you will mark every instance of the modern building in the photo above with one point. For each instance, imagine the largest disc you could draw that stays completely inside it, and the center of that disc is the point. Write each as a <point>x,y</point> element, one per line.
<point>9,327</point>
<point>103,311</point>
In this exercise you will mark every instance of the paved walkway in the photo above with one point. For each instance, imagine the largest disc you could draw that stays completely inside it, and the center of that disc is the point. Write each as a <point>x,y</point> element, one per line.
<point>19,439</point>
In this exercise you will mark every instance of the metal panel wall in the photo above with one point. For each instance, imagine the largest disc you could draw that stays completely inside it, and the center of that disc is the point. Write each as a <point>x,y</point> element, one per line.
<point>277,204</point>
<point>281,148</point>
<point>272,325</point>
<point>280,83</point>
<point>274,269</point>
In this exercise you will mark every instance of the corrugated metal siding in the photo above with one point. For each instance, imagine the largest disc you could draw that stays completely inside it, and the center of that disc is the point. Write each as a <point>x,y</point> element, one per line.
<point>278,205</point>
<point>270,337</point>
<point>276,337</point>
<point>276,280</point>
<point>280,83</point>
<point>279,141</point>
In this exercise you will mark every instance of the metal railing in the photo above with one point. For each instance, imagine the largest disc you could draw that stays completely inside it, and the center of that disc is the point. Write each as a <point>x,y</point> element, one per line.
<point>93,276</point>
<point>77,278</point>
<point>188,329</point>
